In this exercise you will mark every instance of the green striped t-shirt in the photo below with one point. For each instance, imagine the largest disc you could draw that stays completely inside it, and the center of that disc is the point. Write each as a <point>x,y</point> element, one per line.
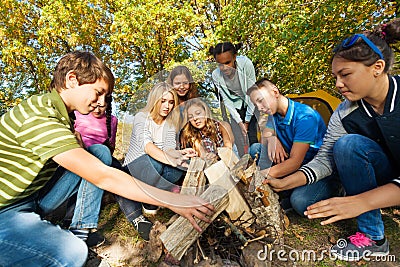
<point>30,135</point>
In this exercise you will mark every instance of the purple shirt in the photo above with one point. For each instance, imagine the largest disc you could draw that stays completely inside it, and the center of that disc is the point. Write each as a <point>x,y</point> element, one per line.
<point>94,130</point>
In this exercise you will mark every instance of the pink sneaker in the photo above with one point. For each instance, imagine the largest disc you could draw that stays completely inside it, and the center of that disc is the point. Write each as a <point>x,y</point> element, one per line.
<point>176,189</point>
<point>358,247</point>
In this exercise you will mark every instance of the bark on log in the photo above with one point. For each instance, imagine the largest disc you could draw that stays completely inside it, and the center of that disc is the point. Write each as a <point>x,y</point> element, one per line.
<point>181,234</point>
<point>264,203</point>
<point>238,171</point>
<point>194,181</point>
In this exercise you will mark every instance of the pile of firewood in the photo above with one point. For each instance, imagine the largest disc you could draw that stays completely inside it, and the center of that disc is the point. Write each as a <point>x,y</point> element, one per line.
<point>234,186</point>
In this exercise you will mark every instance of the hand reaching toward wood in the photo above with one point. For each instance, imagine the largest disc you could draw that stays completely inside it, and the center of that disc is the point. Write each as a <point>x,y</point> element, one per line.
<point>193,206</point>
<point>180,157</point>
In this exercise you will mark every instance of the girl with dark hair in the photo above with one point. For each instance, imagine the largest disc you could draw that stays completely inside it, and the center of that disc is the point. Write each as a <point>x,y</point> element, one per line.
<point>181,79</point>
<point>234,75</point>
<point>99,126</point>
<point>362,142</point>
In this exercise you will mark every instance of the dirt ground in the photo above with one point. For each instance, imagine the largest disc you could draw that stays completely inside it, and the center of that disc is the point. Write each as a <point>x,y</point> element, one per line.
<point>125,248</point>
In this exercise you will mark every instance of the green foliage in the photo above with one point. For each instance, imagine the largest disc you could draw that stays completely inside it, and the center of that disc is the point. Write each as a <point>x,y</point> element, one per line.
<point>289,41</point>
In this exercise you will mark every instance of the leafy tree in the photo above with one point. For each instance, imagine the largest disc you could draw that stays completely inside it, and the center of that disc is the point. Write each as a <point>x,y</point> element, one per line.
<point>34,34</point>
<point>289,41</point>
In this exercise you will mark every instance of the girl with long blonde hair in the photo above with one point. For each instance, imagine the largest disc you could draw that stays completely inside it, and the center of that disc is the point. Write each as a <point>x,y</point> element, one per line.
<point>152,156</point>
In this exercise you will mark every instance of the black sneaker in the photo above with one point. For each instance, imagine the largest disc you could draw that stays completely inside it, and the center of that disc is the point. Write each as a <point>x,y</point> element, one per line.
<point>95,239</point>
<point>286,205</point>
<point>143,226</point>
<point>149,209</point>
<point>357,247</point>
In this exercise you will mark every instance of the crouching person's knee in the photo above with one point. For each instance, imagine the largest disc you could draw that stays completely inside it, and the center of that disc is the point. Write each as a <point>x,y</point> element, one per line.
<point>299,203</point>
<point>73,254</point>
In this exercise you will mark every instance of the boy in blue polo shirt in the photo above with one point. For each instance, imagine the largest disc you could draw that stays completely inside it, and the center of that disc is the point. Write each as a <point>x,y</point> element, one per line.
<point>290,138</point>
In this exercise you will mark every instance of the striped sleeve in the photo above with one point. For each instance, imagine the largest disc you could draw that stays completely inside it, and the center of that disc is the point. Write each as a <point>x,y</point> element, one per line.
<point>322,165</point>
<point>138,138</point>
<point>170,137</point>
<point>396,181</point>
<point>46,137</point>
<point>30,135</point>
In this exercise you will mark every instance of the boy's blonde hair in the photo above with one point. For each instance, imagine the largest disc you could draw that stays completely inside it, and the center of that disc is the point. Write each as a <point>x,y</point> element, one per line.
<point>264,82</point>
<point>86,67</point>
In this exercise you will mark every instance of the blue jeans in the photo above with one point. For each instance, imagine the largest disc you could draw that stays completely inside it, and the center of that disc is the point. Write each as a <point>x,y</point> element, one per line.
<point>261,151</point>
<point>152,172</point>
<point>302,196</point>
<point>27,240</point>
<point>363,166</point>
<point>88,202</point>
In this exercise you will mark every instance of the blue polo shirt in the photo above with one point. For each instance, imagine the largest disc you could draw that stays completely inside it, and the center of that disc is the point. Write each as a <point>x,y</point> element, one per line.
<point>302,124</point>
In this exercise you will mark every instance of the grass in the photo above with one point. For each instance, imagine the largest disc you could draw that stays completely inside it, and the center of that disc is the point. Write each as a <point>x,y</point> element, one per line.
<point>302,236</point>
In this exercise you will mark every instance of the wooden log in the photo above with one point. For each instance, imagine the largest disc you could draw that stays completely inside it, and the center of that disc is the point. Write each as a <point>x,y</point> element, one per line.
<point>238,171</point>
<point>228,157</point>
<point>219,174</point>
<point>264,203</point>
<point>181,234</point>
<point>194,181</point>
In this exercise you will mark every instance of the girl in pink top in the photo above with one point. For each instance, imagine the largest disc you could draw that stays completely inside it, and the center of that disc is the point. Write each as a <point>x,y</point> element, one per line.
<point>98,127</point>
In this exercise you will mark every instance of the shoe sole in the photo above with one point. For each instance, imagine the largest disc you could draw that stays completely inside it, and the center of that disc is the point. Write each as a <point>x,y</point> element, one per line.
<point>149,212</point>
<point>97,245</point>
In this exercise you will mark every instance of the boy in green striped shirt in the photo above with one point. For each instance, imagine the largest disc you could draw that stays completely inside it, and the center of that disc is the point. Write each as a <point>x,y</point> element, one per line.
<point>36,137</point>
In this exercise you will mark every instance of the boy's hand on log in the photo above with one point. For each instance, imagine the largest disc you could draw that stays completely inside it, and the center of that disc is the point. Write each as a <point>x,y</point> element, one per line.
<point>286,183</point>
<point>277,185</point>
<point>193,206</point>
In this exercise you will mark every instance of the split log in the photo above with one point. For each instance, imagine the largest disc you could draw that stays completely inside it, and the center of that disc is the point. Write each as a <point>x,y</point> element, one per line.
<point>219,174</point>
<point>228,157</point>
<point>238,171</point>
<point>181,234</point>
<point>194,181</point>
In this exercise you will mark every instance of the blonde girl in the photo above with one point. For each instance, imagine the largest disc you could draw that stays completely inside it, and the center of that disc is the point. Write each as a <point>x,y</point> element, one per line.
<point>152,156</point>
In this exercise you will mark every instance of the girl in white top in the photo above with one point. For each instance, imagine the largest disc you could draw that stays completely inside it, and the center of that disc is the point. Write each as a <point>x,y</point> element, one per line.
<point>152,153</point>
